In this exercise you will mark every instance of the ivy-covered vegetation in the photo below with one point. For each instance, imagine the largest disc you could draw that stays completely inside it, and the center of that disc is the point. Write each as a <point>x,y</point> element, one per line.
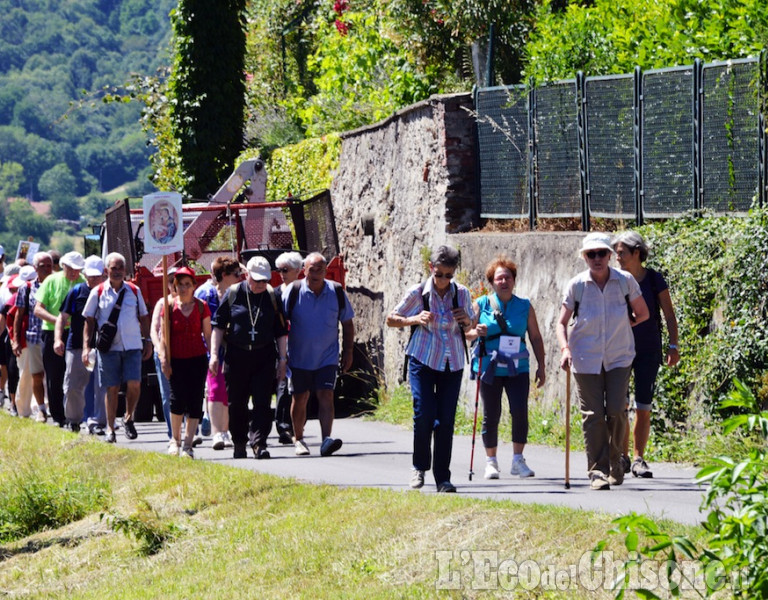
<point>717,270</point>
<point>613,36</point>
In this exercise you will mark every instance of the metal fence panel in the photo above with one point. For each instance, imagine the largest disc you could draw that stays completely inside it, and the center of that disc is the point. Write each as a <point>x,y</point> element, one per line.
<point>730,136</point>
<point>502,132</point>
<point>667,143</point>
<point>557,149</point>
<point>610,146</point>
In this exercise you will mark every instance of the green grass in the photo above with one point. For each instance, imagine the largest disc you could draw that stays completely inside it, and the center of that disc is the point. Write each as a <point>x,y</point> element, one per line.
<point>191,529</point>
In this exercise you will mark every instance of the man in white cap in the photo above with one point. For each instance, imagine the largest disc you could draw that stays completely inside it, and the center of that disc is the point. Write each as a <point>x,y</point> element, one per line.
<point>251,316</point>
<point>70,347</point>
<point>49,297</point>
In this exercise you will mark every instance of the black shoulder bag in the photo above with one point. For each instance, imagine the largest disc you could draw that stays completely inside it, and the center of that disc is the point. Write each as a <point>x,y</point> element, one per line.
<point>105,335</point>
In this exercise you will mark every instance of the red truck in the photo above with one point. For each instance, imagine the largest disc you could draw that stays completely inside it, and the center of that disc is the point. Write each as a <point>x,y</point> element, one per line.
<point>236,221</point>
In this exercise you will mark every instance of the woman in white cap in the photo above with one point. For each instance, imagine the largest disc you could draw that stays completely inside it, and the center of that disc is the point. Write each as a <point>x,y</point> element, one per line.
<point>605,303</point>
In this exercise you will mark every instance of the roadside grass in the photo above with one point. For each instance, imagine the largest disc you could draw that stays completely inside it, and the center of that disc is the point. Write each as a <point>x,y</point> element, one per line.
<point>232,532</point>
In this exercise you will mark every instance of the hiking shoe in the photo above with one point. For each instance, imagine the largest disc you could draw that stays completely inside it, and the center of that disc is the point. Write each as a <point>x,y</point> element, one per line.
<point>173,447</point>
<point>491,470</point>
<point>41,416</point>
<point>197,440</point>
<point>111,438</point>
<point>640,469</point>
<point>446,488</point>
<point>520,468</point>
<point>130,430</point>
<point>330,446</point>
<point>218,441</point>
<point>598,481</point>
<point>614,480</point>
<point>417,479</point>
<point>625,463</point>
<point>261,453</point>
<point>240,451</point>
<point>187,452</point>
<point>301,448</point>
<point>285,437</point>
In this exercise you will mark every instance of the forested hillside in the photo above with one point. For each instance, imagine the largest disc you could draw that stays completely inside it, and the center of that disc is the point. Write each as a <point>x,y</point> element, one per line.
<point>54,53</point>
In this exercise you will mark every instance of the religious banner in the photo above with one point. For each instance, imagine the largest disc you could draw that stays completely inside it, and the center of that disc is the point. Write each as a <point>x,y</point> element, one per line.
<point>163,228</point>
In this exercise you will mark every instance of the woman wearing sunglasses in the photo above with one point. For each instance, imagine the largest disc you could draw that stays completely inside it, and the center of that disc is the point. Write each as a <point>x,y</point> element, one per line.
<point>439,311</point>
<point>599,348</point>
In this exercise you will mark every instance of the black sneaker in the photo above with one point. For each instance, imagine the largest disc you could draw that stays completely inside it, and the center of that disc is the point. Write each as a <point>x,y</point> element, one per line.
<point>240,451</point>
<point>262,454</point>
<point>626,464</point>
<point>111,438</point>
<point>130,430</point>
<point>95,429</point>
<point>330,446</point>
<point>285,437</point>
<point>74,427</point>
<point>446,488</point>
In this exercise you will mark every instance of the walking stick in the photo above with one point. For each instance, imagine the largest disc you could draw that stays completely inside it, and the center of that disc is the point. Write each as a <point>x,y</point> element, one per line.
<point>568,429</point>
<point>477,396</point>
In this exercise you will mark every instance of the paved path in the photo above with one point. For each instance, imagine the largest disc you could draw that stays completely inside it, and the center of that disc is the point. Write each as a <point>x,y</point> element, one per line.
<point>379,455</point>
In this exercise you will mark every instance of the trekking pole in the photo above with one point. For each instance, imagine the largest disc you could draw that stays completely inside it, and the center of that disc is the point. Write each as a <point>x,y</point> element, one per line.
<point>477,397</point>
<point>568,428</point>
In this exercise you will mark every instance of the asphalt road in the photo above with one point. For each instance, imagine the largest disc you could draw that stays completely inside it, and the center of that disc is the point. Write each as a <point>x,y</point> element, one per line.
<point>379,455</point>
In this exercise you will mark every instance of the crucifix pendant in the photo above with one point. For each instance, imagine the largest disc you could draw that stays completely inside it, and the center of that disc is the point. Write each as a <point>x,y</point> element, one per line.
<point>252,333</point>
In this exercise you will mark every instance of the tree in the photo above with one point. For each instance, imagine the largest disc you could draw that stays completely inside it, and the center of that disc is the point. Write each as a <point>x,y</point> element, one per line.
<point>11,179</point>
<point>66,207</point>
<point>23,222</point>
<point>57,182</point>
<point>207,90</point>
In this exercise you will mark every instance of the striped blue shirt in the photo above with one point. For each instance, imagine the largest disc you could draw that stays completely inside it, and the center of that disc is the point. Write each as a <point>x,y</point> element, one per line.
<point>440,341</point>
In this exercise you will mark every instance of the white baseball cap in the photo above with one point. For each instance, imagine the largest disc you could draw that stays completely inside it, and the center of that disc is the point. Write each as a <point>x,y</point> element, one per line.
<point>94,266</point>
<point>73,260</point>
<point>259,269</point>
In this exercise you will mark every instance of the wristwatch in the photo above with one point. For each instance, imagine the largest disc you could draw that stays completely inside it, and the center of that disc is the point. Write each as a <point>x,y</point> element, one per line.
<point>673,346</point>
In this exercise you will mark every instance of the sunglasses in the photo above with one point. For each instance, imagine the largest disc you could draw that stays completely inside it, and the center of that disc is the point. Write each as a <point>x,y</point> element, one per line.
<point>443,275</point>
<point>596,253</point>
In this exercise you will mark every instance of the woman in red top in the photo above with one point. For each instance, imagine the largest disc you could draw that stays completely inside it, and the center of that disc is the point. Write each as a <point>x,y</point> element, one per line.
<point>190,333</point>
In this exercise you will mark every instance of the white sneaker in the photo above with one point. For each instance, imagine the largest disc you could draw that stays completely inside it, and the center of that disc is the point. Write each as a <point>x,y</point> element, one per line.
<point>228,440</point>
<point>218,441</point>
<point>187,452</point>
<point>301,448</point>
<point>173,447</point>
<point>521,469</point>
<point>492,470</point>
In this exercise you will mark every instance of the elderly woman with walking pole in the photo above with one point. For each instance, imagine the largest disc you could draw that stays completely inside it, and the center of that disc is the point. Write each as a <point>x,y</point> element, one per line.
<point>599,348</point>
<point>503,320</point>
<point>438,311</point>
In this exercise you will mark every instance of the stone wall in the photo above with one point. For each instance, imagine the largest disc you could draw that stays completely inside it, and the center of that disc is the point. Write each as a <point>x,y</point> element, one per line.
<point>409,184</point>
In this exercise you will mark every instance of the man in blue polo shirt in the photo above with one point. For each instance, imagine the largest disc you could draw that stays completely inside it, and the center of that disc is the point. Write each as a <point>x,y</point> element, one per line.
<point>313,348</point>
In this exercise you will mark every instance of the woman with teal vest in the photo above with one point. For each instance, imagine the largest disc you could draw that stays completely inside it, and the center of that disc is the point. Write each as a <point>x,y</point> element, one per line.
<point>502,324</point>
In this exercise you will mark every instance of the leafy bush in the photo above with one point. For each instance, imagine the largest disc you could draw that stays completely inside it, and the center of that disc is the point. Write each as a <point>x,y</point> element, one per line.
<point>33,500</point>
<point>717,276</point>
<point>614,36</point>
<point>736,551</point>
<point>301,168</point>
<point>146,526</point>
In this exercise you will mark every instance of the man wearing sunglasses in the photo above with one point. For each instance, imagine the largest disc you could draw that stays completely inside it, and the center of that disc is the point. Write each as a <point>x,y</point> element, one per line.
<point>605,304</point>
<point>439,312</point>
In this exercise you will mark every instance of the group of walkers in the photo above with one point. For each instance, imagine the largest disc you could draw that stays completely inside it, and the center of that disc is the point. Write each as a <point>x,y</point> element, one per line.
<point>231,344</point>
<point>609,328</point>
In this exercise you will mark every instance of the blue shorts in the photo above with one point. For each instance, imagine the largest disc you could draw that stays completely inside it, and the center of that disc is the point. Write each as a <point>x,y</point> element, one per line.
<point>323,378</point>
<point>119,366</point>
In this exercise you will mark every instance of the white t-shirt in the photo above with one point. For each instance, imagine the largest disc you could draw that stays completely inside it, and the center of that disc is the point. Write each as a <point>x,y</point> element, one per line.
<point>128,335</point>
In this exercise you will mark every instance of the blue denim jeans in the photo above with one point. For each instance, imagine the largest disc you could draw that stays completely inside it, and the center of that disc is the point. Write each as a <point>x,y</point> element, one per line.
<point>435,396</point>
<point>165,393</point>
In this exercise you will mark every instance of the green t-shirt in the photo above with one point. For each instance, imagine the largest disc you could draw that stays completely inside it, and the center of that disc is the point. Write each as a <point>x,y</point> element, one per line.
<point>52,293</point>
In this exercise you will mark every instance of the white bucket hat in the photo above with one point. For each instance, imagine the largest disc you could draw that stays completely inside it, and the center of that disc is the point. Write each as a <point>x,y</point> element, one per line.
<point>73,260</point>
<point>596,241</point>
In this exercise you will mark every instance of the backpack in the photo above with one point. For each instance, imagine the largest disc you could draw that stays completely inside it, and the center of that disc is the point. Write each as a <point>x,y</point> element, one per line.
<point>579,292</point>
<point>425,305</point>
<point>293,296</point>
